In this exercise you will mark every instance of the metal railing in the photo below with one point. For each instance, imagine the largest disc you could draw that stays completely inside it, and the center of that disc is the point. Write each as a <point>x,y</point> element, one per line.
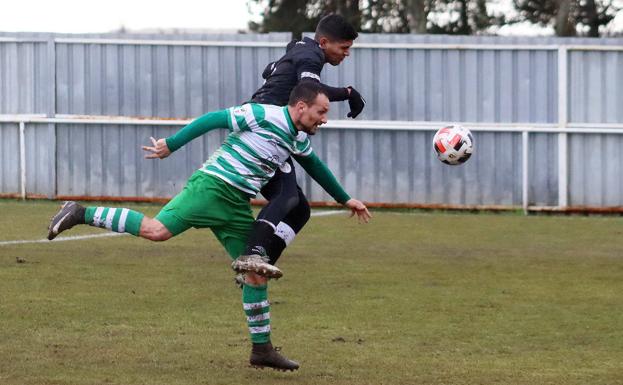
<point>524,129</point>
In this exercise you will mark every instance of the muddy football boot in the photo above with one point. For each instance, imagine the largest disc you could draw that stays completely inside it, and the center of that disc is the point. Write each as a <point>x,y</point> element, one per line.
<point>68,216</point>
<point>239,280</point>
<point>257,264</point>
<point>266,356</point>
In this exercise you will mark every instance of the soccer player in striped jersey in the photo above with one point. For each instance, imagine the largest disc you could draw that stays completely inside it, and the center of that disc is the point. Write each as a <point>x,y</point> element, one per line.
<point>261,139</point>
<point>287,210</point>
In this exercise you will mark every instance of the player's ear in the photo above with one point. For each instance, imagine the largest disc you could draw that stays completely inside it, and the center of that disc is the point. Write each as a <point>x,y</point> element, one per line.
<point>300,106</point>
<point>323,41</point>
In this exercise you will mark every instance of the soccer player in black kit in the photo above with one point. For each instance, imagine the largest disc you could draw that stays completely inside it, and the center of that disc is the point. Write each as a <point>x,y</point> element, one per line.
<point>287,210</point>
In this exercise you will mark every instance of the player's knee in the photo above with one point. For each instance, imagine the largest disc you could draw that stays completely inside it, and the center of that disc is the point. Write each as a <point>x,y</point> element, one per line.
<point>291,202</point>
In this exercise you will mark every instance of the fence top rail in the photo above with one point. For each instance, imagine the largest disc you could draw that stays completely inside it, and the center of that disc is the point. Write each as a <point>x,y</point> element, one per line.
<point>8,39</point>
<point>281,44</point>
<point>459,46</point>
<point>191,43</point>
<point>490,47</point>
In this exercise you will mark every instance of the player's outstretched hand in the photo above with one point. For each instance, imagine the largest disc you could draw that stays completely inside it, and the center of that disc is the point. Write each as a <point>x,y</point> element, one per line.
<point>357,207</point>
<point>159,150</point>
<point>356,103</point>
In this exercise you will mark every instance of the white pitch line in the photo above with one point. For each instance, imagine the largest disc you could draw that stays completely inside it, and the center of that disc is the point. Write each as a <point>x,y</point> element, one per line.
<point>60,239</point>
<point>105,235</point>
<point>325,213</point>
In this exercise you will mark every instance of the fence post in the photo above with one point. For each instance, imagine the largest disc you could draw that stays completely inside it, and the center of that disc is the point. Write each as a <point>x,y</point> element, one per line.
<point>51,113</point>
<point>525,167</point>
<point>563,172</point>
<point>22,159</point>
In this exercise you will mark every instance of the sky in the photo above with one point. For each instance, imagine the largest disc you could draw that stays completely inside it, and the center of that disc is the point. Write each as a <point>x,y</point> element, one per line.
<point>80,16</point>
<point>84,16</point>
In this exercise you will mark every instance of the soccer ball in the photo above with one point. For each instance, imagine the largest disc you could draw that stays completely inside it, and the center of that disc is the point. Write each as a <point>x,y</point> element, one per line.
<point>453,144</point>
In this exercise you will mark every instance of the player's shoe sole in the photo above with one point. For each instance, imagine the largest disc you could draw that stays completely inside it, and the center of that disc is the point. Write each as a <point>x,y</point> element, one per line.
<point>256,264</point>
<point>278,369</point>
<point>68,216</point>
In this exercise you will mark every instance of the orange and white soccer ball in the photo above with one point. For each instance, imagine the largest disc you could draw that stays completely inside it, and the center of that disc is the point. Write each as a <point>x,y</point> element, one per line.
<point>453,144</point>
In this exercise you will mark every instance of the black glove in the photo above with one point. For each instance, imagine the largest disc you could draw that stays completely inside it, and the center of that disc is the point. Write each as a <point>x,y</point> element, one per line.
<point>355,102</point>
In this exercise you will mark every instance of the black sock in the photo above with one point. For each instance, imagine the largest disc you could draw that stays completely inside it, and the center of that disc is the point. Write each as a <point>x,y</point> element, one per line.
<point>275,248</point>
<point>259,239</point>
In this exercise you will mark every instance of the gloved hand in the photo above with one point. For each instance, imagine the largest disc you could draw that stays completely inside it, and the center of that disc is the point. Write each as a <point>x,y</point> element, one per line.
<point>355,102</point>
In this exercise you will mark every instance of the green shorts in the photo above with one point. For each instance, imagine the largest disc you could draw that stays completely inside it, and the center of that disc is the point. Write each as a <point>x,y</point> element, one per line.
<point>207,201</point>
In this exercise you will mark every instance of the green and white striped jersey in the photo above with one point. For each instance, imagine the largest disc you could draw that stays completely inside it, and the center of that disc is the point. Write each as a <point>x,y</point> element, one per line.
<point>262,138</point>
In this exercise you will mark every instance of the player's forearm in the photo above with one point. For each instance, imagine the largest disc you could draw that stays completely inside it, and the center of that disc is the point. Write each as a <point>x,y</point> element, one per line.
<point>325,178</point>
<point>335,94</point>
<point>198,127</point>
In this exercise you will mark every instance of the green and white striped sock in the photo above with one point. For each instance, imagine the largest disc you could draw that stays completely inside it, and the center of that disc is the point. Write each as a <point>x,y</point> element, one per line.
<point>117,220</point>
<point>257,309</point>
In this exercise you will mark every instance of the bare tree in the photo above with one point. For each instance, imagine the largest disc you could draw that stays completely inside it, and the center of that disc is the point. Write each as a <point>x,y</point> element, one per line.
<point>564,25</point>
<point>568,17</point>
<point>417,15</point>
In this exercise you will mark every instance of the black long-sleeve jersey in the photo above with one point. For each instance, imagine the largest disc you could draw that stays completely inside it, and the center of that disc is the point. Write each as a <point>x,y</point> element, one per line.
<point>303,60</point>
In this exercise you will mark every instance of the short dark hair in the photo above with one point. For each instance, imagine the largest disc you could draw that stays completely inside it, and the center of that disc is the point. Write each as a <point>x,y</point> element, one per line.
<point>306,91</point>
<point>336,28</point>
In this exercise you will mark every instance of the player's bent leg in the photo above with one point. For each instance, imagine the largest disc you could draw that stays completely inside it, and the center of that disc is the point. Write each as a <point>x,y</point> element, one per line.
<point>233,237</point>
<point>119,220</point>
<point>288,228</point>
<point>281,191</point>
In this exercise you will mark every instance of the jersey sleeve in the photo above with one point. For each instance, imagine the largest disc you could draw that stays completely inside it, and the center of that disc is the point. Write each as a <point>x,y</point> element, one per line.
<point>321,174</point>
<point>198,127</point>
<point>245,117</point>
<point>309,66</point>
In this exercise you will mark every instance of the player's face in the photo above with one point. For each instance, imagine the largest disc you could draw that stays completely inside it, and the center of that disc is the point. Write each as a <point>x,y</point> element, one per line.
<point>335,50</point>
<point>314,115</point>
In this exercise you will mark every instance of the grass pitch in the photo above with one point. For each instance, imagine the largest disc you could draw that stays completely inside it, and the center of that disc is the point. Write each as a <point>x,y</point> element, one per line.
<point>411,298</point>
